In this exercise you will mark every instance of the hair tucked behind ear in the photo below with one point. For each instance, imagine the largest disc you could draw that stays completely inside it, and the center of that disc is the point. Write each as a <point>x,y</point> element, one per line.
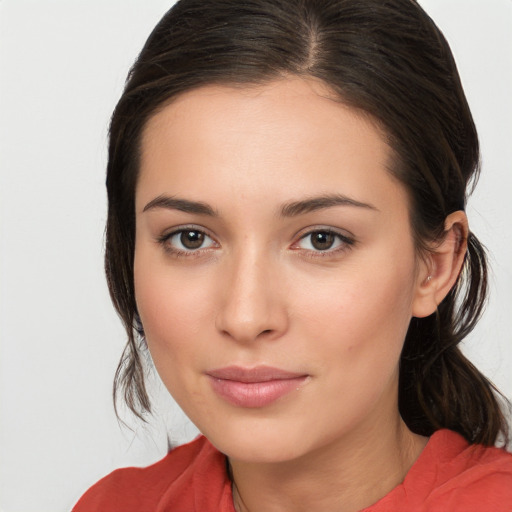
<point>385,58</point>
<point>439,387</point>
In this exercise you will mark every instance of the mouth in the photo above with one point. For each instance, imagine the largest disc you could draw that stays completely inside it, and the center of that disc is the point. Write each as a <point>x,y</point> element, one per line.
<point>254,387</point>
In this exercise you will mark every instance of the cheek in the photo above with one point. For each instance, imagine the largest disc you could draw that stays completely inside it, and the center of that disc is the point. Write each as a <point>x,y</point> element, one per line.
<point>172,308</point>
<point>172,311</point>
<point>362,316</point>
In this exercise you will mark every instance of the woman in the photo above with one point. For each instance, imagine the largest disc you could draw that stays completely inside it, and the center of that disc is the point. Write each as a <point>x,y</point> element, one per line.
<point>287,182</point>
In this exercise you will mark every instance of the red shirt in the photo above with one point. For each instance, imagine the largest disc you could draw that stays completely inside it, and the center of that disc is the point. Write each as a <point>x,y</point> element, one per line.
<point>449,475</point>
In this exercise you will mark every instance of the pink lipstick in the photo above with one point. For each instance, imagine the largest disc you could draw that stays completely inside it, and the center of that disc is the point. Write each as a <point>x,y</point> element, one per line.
<point>253,387</point>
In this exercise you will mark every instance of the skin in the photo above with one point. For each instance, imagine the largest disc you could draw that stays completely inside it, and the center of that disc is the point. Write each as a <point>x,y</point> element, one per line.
<point>258,292</point>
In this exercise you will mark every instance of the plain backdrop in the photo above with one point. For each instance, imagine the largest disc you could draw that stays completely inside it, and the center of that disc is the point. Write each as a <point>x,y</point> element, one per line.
<point>62,68</point>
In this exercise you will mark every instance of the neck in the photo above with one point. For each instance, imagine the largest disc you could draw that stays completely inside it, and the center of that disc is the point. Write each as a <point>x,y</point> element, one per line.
<point>346,475</point>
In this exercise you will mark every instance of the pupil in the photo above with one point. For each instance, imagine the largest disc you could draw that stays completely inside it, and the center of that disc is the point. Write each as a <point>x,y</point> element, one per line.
<point>192,239</point>
<point>322,240</point>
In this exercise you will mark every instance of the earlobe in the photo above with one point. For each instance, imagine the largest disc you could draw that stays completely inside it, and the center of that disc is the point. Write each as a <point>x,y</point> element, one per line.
<point>441,268</point>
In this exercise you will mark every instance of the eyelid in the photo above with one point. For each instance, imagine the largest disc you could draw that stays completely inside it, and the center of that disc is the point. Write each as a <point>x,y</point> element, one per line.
<point>167,235</point>
<point>347,240</point>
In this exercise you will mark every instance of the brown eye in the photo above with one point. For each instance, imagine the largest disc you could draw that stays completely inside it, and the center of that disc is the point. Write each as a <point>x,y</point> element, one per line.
<point>187,240</point>
<point>192,239</point>
<point>322,240</point>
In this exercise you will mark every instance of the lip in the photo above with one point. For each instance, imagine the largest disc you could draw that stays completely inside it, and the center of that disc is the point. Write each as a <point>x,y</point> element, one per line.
<point>254,387</point>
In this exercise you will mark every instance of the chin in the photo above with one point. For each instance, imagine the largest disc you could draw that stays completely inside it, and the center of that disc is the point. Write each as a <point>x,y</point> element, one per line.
<point>266,440</point>
<point>261,450</point>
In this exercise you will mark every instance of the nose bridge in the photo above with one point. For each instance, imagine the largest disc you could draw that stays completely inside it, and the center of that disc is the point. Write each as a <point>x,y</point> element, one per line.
<point>252,304</point>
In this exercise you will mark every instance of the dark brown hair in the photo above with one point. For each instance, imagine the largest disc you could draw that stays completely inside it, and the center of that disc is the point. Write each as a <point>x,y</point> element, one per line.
<point>386,58</point>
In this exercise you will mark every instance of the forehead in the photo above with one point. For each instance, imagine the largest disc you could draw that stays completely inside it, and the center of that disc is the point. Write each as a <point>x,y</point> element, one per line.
<point>295,106</point>
<point>291,135</point>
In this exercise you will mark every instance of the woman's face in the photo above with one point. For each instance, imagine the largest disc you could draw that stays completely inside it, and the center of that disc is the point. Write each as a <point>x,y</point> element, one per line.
<point>275,271</point>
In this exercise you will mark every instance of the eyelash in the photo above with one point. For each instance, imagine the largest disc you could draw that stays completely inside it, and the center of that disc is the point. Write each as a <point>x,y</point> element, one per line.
<point>344,243</point>
<point>164,241</point>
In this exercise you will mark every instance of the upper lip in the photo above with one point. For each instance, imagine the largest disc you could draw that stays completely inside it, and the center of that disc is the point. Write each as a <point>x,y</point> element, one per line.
<point>255,374</point>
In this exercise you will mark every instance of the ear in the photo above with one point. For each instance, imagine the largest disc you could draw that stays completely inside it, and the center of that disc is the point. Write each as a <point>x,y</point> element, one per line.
<point>441,267</point>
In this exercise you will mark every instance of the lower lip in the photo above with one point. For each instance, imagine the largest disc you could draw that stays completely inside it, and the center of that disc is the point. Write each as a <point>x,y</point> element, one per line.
<point>254,394</point>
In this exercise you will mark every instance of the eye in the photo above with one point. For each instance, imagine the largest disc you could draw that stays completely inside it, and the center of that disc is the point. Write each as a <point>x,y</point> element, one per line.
<point>323,240</point>
<point>187,240</point>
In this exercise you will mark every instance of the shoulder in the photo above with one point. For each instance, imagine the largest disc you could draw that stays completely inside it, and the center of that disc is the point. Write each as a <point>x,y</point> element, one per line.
<point>451,475</point>
<point>471,477</point>
<point>171,480</point>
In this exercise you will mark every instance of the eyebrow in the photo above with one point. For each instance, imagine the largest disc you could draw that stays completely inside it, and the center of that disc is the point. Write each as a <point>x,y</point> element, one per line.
<point>292,209</point>
<point>183,205</point>
<point>312,204</point>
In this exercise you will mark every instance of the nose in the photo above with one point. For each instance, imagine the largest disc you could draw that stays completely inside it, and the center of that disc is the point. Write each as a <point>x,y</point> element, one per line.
<point>253,303</point>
